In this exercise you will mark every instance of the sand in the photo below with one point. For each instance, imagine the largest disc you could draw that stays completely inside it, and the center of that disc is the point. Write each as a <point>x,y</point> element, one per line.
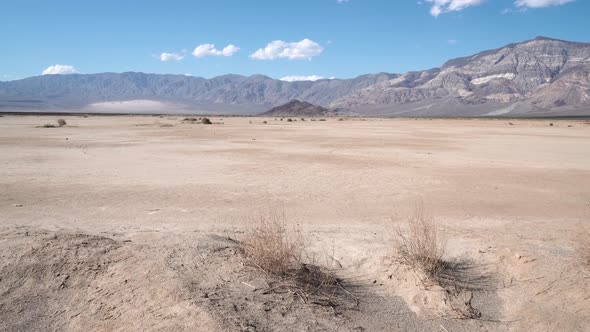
<point>122,222</point>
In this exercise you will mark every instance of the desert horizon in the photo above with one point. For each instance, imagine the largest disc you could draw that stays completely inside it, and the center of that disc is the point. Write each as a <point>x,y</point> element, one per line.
<point>310,165</point>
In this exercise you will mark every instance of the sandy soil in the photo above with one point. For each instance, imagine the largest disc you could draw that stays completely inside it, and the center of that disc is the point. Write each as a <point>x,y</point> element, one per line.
<point>122,223</point>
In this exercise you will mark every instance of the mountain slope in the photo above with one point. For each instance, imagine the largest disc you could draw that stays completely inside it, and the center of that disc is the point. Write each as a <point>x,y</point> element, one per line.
<point>538,77</point>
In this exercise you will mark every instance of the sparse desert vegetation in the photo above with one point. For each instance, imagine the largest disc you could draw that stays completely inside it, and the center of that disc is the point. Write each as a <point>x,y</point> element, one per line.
<point>202,120</point>
<point>420,244</point>
<point>279,249</point>
<point>272,245</point>
<point>59,123</point>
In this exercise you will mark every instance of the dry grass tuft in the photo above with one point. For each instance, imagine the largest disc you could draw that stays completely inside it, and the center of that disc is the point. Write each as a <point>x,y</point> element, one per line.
<point>279,250</point>
<point>61,122</point>
<point>583,249</point>
<point>271,245</point>
<point>421,246</point>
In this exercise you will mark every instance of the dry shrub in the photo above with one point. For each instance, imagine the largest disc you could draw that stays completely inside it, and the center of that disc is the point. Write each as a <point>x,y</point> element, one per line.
<point>273,246</point>
<point>279,250</point>
<point>61,122</point>
<point>421,246</point>
<point>206,121</point>
<point>583,249</point>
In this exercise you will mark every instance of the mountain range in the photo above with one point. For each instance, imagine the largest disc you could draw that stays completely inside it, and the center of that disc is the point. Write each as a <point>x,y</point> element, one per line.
<point>539,77</point>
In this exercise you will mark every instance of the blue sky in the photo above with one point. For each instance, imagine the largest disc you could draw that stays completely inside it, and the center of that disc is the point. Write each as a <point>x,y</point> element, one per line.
<point>327,38</point>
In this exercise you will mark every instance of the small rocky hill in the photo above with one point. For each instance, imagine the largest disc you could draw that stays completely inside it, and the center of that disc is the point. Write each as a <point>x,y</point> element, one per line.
<point>296,108</point>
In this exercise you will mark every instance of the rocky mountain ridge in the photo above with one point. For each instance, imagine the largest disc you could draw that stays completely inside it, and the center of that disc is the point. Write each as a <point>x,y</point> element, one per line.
<point>539,77</point>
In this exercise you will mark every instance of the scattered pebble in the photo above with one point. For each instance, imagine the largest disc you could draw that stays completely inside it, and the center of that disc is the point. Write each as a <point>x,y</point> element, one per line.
<point>17,205</point>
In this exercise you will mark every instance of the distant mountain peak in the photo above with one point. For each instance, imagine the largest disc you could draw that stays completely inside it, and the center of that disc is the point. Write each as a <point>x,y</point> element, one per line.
<point>545,38</point>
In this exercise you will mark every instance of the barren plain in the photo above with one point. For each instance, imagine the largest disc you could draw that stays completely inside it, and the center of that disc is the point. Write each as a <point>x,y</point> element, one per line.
<point>132,223</point>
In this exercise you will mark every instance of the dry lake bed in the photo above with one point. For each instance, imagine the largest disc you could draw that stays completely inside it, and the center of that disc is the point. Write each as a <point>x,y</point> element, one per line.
<point>128,223</point>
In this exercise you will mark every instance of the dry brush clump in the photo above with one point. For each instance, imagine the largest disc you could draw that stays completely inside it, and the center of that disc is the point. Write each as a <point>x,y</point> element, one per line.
<point>421,246</point>
<point>271,245</point>
<point>204,120</point>
<point>60,123</point>
<point>278,249</point>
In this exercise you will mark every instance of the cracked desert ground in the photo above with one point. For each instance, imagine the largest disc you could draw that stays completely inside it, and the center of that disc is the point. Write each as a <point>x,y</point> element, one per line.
<point>122,222</point>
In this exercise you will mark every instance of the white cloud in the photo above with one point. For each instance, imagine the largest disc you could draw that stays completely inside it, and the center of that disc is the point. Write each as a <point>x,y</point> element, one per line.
<point>446,6</point>
<point>278,49</point>
<point>294,78</point>
<point>59,69</point>
<point>540,3</point>
<point>210,50</point>
<point>171,57</point>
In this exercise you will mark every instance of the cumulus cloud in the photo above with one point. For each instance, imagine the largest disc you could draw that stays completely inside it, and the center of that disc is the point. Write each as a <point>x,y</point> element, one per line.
<point>294,78</point>
<point>210,50</point>
<point>540,3</point>
<point>59,70</point>
<point>446,6</point>
<point>164,57</point>
<point>278,49</point>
